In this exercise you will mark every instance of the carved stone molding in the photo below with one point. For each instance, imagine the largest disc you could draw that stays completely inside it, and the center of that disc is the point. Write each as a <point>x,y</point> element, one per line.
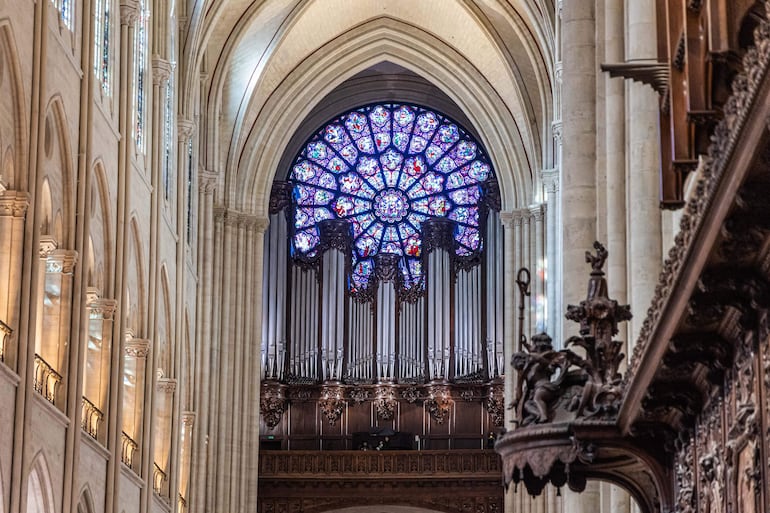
<point>161,70</point>
<point>207,181</point>
<point>550,179</point>
<point>188,419</point>
<point>185,129</point>
<point>129,12</point>
<point>556,129</point>
<point>166,385</point>
<point>101,308</point>
<point>47,245</point>
<point>13,204</point>
<point>137,347</point>
<point>61,261</point>
<point>332,404</point>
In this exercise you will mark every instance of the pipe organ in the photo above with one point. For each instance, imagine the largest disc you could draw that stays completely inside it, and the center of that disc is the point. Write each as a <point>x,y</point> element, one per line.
<point>319,329</point>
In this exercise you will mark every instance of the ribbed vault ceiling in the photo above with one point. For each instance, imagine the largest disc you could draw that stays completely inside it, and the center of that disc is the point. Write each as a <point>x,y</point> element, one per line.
<point>251,51</point>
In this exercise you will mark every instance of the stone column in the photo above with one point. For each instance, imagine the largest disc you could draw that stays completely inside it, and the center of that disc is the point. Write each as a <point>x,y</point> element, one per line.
<point>538,213</point>
<point>98,356</point>
<point>615,157</point>
<point>163,409</point>
<point>509,342</point>
<point>13,210</point>
<point>578,174</point>
<point>188,422</point>
<point>644,232</point>
<point>134,368</point>
<point>550,178</point>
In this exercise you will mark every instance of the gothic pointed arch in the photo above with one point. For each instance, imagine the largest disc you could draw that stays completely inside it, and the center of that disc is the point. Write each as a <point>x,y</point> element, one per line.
<point>13,133</point>
<point>40,498</point>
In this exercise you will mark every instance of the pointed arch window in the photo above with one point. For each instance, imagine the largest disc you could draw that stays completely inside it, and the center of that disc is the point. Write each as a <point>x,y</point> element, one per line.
<point>102,28</point>
<point>168,128</point>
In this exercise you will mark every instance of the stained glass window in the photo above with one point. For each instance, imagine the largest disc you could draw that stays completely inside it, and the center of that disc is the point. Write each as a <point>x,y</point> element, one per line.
<point>387,168</point>
<point>102,44</point>
<point>65,8</point>
<point>140,75</point>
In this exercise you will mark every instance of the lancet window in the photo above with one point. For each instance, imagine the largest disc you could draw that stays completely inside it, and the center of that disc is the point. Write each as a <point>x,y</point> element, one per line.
<point>140,75</point>
<point>382,254</point>
<point>102,26</point>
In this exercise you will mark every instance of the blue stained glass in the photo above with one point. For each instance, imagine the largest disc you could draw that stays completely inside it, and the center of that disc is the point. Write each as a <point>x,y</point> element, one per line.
<point>387,168</point>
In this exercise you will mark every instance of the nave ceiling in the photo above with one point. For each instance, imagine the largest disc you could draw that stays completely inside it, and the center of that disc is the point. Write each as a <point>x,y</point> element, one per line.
<point>270,63</point>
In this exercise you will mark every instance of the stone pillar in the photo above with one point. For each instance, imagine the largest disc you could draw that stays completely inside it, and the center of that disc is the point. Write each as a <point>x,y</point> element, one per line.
<point>509,342</point>
<point>578,175</point>
<point>188,422</point>
<point>134,369</point>
<point>588,501</point>
<point>615,157</point>
<point>13,210</point>
<point>550,178</point>
<point>163,409</point>
<point>644,233</point>
<point>538,213</point>
<point>98,356</point>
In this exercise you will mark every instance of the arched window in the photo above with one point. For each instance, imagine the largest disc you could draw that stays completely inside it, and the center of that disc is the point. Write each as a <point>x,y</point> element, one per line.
<point>140,70</point>
<point>376,267</point>
<point>168,135</point>
<point>102,26</point>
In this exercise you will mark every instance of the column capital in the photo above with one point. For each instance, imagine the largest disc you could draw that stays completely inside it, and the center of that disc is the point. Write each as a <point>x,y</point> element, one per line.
<point>161,70</point>
<point>261,224</point>
<point>508,219</point>
<point>47,245</point>
<point>137,347</point>
<point>166,385</point>
<point>207,181</point>
<point>188,418</point>
<point>61,261</point>
<point>99,308</point>
<point>550,179</point>
<point>13,203</point>
<point>537,211</point>
<point>556,130</point>
<point>129,12</point>
<point>185,128</point>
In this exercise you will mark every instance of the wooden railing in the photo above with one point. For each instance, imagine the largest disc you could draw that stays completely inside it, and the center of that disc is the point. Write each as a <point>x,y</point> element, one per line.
<point>158,478</point>
<point>128,448</point>
<point>363,464</point>
<point>91,418</point>
<point>5,336</point>
<point>47,380</point>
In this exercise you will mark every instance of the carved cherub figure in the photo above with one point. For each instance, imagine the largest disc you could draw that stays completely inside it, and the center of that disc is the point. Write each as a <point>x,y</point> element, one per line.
<point>597,261</point>
<point>535,390</point>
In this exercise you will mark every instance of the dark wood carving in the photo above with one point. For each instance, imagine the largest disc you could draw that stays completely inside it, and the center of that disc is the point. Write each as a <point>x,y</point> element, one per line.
<point>280,196</point>
<point>272,403</point>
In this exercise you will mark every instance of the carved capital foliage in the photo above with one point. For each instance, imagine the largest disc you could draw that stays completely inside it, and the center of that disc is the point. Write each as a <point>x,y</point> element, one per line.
<point>165,385</point>
<point>47,245</point>
<point>185,128</point>
<point>137,347</point>
<point>161,70</point>
<point>272,403</point>
<point>129,12</point>
<point>207,181</point>
<point>61,261</point>
<point>101,308</point>
<point>14,204</point>
<point>332,404</point>
<point>188,419</point>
